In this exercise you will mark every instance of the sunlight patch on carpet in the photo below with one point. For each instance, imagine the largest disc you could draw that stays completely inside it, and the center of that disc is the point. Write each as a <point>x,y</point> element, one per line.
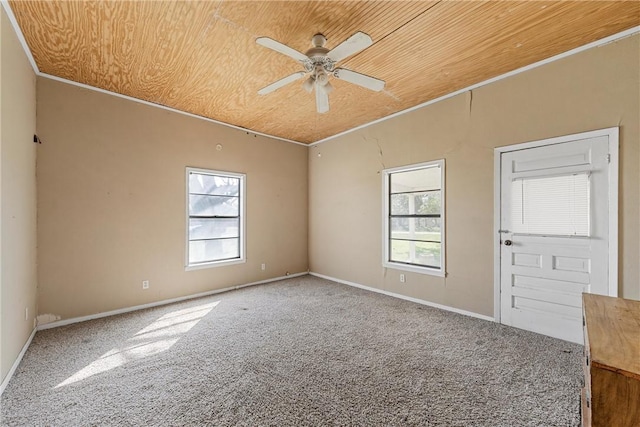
<point>153,339</point>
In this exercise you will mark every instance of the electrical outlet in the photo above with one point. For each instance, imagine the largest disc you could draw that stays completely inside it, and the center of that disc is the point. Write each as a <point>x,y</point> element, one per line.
<point>402,278</point>
<point>264,266</point>
<point>145,284</point>
<point>26,313</point>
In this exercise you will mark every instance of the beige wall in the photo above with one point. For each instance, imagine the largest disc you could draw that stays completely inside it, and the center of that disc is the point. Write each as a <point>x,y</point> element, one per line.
<point>111,187</point>
<point>111,200</point>
<point>595,89</point>
<point>17,196</point>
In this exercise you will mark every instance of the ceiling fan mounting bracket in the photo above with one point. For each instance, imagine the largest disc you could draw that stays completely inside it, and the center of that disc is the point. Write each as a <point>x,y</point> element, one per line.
<point>318,40</point>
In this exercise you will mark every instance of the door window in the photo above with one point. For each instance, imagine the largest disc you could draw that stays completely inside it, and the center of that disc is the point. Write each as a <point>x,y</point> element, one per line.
<point>555,205</point>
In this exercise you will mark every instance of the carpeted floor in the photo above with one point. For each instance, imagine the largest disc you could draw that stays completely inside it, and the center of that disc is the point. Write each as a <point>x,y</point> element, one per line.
<point>304,351</point>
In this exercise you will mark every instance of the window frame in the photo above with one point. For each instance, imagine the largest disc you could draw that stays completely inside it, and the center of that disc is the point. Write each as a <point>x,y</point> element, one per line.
<point>386,235</point>
<point>241,216</point>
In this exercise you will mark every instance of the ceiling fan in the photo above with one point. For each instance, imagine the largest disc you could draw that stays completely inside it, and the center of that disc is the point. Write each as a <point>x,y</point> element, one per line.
<point>319,63</point>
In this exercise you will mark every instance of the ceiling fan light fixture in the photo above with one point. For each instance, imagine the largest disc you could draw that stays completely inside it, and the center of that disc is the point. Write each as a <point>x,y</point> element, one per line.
<point>328,87</point>
<point>308,84</point>
<point>321,77</point>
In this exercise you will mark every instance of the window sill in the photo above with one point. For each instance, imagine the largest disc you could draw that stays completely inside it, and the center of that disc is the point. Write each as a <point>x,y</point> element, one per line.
<point>415,269</point>
<point>214,264</point>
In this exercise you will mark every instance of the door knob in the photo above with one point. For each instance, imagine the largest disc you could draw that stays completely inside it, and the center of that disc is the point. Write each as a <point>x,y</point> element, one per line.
<point>508,243</point>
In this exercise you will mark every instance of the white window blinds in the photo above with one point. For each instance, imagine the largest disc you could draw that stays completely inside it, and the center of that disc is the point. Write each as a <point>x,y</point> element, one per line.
<point>556,205</point>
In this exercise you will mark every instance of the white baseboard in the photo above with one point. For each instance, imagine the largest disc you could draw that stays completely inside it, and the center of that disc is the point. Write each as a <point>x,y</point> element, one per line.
<point>17,362</point>
<point>126,310</point>
<point>65,322</point>
<point>404,297</point>
<point>217,291</point>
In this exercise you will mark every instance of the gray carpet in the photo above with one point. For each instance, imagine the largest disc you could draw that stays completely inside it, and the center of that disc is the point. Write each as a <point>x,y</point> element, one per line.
<point>304,351</point>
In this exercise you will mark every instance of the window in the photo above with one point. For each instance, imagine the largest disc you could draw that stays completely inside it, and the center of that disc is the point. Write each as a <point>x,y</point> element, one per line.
<point>414,218</point>
<point>215,218</point>
<point>551,205</point>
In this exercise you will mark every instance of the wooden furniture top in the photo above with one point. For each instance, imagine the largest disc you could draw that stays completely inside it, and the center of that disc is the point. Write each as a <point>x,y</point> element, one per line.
<point>613,325</point>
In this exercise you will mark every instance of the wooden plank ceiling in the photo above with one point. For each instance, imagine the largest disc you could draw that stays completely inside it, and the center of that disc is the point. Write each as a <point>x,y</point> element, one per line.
<point>201,57</point>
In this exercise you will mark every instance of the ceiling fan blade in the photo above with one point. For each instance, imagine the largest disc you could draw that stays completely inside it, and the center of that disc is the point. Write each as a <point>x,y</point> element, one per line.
<point>350,46</point>
<point>359,79</point>
<point>282,82</point>
<point>282,48</point>
<point>322,99</point>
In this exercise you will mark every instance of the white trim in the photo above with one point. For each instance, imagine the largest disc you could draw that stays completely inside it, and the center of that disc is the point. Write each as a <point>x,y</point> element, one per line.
<point>213,264</point>
<point>440,272</point>
<point>164,107</point>
<point>597,43</point>
<point>18,31</point>
<point>413,268</point>
<point>159,303</point>
<point>558,140</point>
<point>404,297</point>
<point>15,365</point>
<point>27,51</point>
<point>613,137</point>
<point>497,203</point>
<point>242,216</point>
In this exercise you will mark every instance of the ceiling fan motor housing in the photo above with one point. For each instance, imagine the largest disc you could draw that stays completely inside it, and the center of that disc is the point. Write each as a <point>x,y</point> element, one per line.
<point>317,56</point>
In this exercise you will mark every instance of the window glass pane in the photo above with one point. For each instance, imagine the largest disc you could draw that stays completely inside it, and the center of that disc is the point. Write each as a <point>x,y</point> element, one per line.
<point>416,229</point>
<point>399,204</point>
<point>416,180</point>
<point>213,250</point>
<point>213,228</point>
<point>416,203</point>
<point>213,205</point>
<point>427,203</point>
<point>557,205</point>
<point>422,253</point>
<point>213,184</point>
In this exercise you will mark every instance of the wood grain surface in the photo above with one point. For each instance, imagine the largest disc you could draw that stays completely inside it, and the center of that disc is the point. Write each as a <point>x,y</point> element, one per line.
<point>201,56</point>
<point>612,377</point>
<point>614,333</point>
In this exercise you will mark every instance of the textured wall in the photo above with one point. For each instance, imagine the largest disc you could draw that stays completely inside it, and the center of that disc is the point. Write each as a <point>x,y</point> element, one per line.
<point>111,200</point>
<point>595,89</point>
<point>17,195</point>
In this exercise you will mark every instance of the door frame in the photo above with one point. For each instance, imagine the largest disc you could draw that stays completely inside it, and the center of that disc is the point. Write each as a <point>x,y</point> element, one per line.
<point>613,136</point>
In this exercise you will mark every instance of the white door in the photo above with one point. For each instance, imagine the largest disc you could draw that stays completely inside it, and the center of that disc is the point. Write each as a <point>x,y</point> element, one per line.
<point>554,234</point>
